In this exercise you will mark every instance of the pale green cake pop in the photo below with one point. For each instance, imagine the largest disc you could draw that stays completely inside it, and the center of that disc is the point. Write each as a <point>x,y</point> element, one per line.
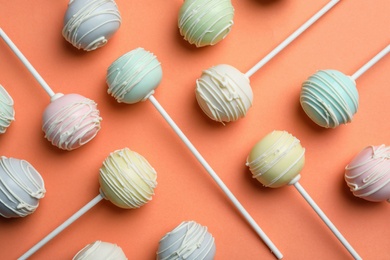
<point>205,22</point>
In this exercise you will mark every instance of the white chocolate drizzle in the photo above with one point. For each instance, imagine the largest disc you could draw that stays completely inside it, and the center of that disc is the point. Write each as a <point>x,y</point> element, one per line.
<point>225,98</point>
<point>73,125</point>
<point>272,156</point>
<point>375,170</point>
<point>7,112</point>
<point>189,240</point>
<point>129,70</point>
<point>133,183</point>
<point>325,97</point>
<point>100,250</point>
<point>195,17</point>
<point>92,9</point>
<point>18,178</point>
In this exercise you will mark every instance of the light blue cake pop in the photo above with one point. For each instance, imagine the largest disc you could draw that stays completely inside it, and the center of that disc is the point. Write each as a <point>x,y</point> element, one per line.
<point>329,98</point>
<point>134,76</point>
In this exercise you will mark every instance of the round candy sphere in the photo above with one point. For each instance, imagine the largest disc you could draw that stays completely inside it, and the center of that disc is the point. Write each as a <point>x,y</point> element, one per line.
<point>99,250</point>
<point>277,159</point>
<point>205,22</point>
<point>368,174</point>
<point>134,76</point>
<point>89,24</point>
<point>127,179</point>
<point>329,98</point>
<point>21,188</point>
<point>189,240</point>
<point>224,93</point>
<point>7,112</point>
<point>70,121</point>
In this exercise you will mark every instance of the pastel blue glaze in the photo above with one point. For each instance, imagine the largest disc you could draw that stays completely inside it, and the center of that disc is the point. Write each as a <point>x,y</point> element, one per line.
<point>134,76</point>
<point>329,98</point>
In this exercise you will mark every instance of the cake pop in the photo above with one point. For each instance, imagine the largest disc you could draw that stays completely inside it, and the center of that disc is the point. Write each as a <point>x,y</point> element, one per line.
<point>133,77</point>
<point>69,121</point>
<point>205,22</point>
<point>129,87</point>
<point>277,160</point>
<point>21,188</point>
<point>100,250</point>
<point>368,174</point>
<point>126,179</point>
<point>89,24</point>
<point>224,93</point>
<point>330,98</point>
<point>7,112</point>
<point>189,240</point>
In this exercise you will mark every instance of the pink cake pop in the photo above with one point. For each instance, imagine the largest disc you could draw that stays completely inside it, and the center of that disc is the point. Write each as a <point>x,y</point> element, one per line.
<point>70,120</point>
<point>368,174</point>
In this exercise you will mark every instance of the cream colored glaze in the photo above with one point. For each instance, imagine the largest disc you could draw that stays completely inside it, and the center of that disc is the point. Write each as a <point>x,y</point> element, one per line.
<point>127,179</point>
<point>277,159</point>
<point>99,250</point>
<point>21,188</point>
<point>224,93</point>
<point>189,240</point>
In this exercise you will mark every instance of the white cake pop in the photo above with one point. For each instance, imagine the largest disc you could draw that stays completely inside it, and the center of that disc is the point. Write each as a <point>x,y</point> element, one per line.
<point>100,250</point>
<point>224,93</point>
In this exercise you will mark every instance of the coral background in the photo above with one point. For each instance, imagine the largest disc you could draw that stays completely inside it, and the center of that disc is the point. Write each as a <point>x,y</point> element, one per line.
<point>344,39</point>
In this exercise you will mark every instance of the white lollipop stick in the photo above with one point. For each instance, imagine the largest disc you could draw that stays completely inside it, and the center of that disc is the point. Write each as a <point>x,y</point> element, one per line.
<point>371,62</point>
<point>324,218</point>
<point>292,37</point>
<point>60,228</point>
<point>220,183</point>
<point>26,63</point>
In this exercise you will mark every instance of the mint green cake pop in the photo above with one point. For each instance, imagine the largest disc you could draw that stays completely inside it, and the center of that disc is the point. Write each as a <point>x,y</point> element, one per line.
<point>134,76</point>
<point>205,22</point>
<point>329,98</point>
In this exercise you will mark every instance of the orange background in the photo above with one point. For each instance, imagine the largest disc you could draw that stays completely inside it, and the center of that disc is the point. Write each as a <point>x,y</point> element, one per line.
<point>345,38</point>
